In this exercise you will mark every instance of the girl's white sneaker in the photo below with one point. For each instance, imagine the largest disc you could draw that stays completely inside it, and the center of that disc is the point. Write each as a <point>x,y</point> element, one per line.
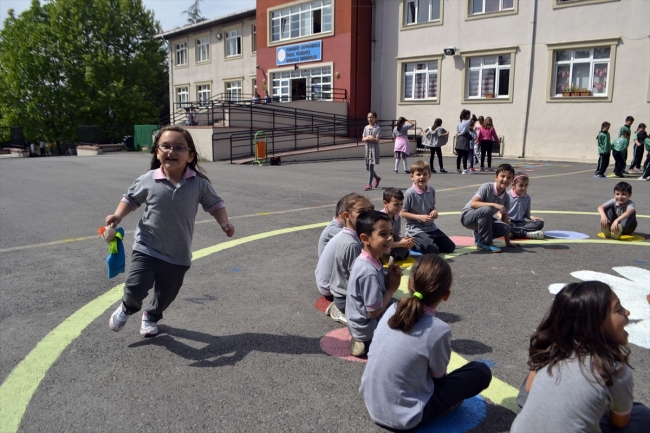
<point>535,235</point>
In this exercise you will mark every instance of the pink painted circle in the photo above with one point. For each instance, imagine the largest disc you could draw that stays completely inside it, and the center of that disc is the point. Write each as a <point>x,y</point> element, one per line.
<point>463,241</point>
<point>337,343</point>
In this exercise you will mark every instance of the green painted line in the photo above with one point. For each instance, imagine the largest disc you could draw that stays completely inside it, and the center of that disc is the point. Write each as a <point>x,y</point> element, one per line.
<point>17,390</point>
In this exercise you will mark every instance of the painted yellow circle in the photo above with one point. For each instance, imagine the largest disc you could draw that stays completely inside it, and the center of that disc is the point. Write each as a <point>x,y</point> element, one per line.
<point>627,238</point>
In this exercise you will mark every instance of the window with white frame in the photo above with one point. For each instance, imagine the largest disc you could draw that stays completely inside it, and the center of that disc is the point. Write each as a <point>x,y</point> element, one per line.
<point>233,91</point>
<point>319,83</point>
<point>489,76</point>
<point>254,38</point>
<point>203,49</point>
<point>420,80</point>
<point>586,69</point>
<point>490,6</point>
<point>182,96</point>
<point>203,93</point>
<point>233,43</point>
<point>301,20</point>
<point>181,54</point>
<point>421,11</point>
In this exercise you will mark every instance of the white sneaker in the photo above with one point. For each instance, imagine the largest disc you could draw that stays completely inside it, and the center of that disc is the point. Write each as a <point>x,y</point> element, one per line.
<point>616,234</point>
<point>118,319</point>
<point>535,235</point>
<point>643,178</point>
<point>148,328</point>
<point>328,309</point>
<point>465,172</point>
<point>336,315</point>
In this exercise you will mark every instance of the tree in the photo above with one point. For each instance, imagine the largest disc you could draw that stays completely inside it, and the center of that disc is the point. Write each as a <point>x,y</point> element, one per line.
<point>194,13</point>
<point>72,62</point>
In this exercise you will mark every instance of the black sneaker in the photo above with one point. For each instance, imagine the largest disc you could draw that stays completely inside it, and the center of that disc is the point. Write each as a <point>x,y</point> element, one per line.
<point>433,171</point>
<point>442,170</point>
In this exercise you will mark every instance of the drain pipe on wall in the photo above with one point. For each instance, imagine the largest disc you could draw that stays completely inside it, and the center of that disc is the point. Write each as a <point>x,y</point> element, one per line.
<point>529,91</point>
<point>381,61</point>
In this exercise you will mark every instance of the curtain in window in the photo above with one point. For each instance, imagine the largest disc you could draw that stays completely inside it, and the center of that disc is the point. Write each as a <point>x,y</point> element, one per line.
<point>473,83</point>
<point>408,87</point>
<point>433,85</point>
<point>562,78</point>
<point>491,6</point>
<point>600,78</point>
<point>410,12</point>
<point>488,81</point>
<point>419,86</point>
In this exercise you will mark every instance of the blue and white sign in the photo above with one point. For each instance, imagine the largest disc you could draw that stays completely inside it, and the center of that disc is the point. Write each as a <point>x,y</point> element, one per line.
<point>299,53</point>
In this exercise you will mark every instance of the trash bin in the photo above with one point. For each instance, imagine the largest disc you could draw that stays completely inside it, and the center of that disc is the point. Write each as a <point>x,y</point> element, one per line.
<point>128,142</point>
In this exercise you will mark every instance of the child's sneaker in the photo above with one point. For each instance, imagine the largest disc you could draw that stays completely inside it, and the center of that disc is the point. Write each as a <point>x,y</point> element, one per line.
<point>328,309</point>
<point>488,248</point>
<point>357,348</point>
<point>433,171</point>
<point>535,235</point>
<point>407,172</point>
<point>482,168</point>
<point>472,169</point>
<point>459,171</point>
<point>442,170</point>
<point>336,315</point>
<point>377,182</point>
<point>118,319</point>
<point>148,328</point>
<point>643,178</point>
<point>465,172</point>
<point>606,232</point>
<point>396,171</point>
<point>616,234</point>
<point>367,188</point>
<point>598,176</point>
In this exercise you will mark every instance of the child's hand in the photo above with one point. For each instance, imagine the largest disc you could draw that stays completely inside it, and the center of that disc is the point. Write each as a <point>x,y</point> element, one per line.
<point>393,278</point>
<point>604,222</point>
<point>512,245</point>
<point>433,214</point>
<point>425,218</point>
<point>228,229</point>
<point>409,242</point>
<point>534,218</point>
<point>114,219</point>
<point>614,226</point>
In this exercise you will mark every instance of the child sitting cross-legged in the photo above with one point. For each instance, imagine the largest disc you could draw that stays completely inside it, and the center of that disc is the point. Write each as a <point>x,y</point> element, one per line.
<point>393,201</point>
<point>618,215</point>
<point>405,383</point>
<point>522,223</point>
<point>479,213</point>
<point>369,290</point>
<point>420,211</point>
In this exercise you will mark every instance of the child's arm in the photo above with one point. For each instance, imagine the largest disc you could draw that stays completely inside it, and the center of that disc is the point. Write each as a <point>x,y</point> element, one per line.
<point>222,218</point>
<point>625,215</point>
<point>604,222</point>
<point>477,203</point>
<point>416,217</point>
<point>392,283</point>
<point>123,209</point>
<point>399,242</point>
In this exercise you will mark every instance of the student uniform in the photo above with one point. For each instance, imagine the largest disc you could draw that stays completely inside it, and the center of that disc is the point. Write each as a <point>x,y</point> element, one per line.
<point>328,233</point>
<point>482,220</point>
<point>429,239</point>
<point>613,210</point>
<point>348,249</point>
<point>399,253</point>
<point>518,211</point>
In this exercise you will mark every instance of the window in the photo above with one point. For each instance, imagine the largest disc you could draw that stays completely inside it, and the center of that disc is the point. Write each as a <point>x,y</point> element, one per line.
<point>570,3</point>
<point>490,6</point>
<point>420,80</point>
<point>584,68</point>
<point>254,39</point>
<point>182,96</point>
<point>203,49</point>
<point>233,91</point>
<point>318,83</point>
<point>203,94</point>
<point>421,11</point>
<point>301,20</point>
<point>488,77</point>
<point>233,43</point>
<point>181,54</point>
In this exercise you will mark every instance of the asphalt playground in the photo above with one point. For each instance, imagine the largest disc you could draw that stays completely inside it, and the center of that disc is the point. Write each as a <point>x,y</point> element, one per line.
<point>245,347</point>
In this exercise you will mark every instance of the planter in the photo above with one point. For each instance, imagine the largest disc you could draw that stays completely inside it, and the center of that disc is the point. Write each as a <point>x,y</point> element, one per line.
<point>575,93</point>
<point>489,95</point>
<point>88,150</point>
<point>585,93</point>
<point>566,93</point>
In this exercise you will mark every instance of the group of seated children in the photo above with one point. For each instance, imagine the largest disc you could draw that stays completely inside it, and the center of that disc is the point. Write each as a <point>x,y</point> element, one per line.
<point>619,149</point>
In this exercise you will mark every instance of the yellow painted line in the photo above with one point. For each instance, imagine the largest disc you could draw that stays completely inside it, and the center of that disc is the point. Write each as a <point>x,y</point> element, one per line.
<point>19,387</point>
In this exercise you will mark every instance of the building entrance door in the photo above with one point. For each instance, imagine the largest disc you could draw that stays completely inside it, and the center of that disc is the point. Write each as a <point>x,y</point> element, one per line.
<point>298,89</point>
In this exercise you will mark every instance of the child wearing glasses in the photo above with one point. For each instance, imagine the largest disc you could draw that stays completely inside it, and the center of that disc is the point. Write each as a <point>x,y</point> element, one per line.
<point>171,192</point>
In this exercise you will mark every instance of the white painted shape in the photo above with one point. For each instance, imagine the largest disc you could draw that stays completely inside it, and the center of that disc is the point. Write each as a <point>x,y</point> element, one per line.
<point>632,291</point>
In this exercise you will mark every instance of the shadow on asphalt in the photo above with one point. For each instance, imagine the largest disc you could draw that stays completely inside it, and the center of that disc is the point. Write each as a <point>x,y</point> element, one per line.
<point>528,248</point>
<point>448,317</point>
<point>230,349</point>
<point>470,347</point>
<point>497,419</point>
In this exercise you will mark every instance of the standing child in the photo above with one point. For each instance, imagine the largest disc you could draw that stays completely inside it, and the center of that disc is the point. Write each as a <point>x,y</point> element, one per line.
<point>371,136</point>
<point>618,215</point>
<point>477,143</point>
<point>646,165</point>
<point>478,213</point>
<point>346,249</point>
<point>519,211</point>
<point>580,379</point>
<point>369,290</point>
<point>332,228</point>
<point>402,146</point>
<point>463,141</point>
<point>473,133</point>
<point>487,136</point>
<point>434,138</point>
<point>637,142</point>
<point>405,384</point>
<point>171,192</point>
<point>629,120</point>
<point>352,205</point>
<point>619,150</point>
<point>420,212</point>
<point>393,202</point>
<point>604,150</point>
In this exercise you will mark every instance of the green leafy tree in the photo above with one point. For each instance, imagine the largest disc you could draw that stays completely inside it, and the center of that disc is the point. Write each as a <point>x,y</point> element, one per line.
<point>194,13</point>
<point>73,62</point>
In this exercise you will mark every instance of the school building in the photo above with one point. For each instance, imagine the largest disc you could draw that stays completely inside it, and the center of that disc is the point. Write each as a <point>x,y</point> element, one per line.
<point>548,72</point>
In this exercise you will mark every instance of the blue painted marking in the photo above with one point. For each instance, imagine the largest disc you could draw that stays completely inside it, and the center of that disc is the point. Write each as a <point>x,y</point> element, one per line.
<point>641,262</point>
<point>235,270</point>
<point>561,234</point>
<point>486,362</point>
<point>470,414</point>
<point>415,253</point>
